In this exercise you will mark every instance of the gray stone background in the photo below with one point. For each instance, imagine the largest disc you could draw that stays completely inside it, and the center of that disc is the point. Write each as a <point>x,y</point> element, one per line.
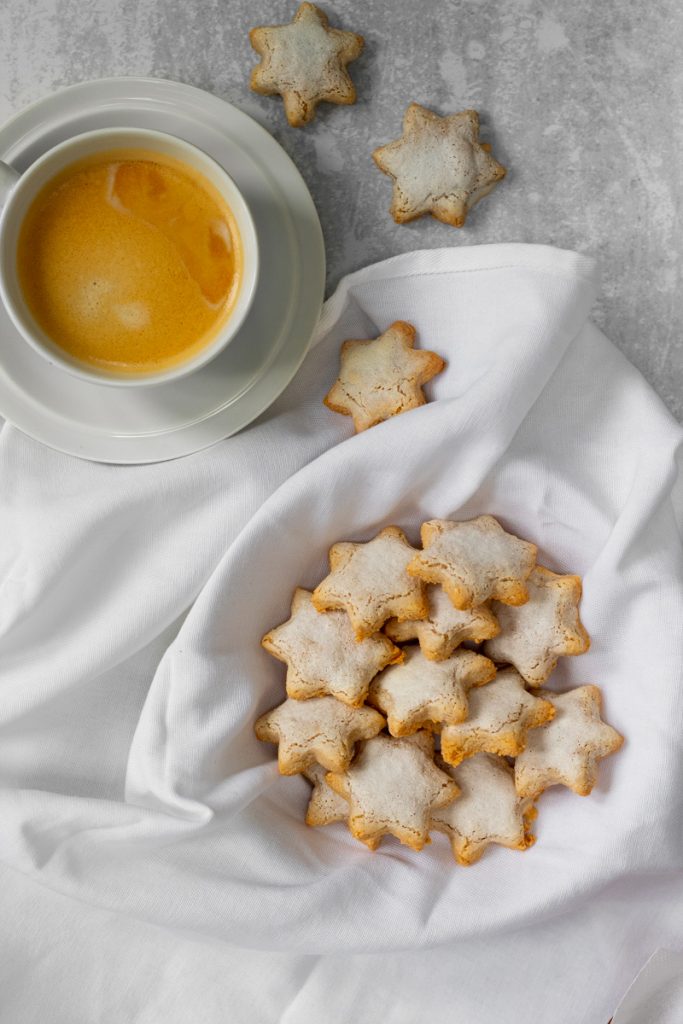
<point>582,100</point>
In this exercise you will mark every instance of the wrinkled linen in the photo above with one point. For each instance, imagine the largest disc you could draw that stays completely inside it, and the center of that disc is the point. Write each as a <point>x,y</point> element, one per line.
<point>153,861</point>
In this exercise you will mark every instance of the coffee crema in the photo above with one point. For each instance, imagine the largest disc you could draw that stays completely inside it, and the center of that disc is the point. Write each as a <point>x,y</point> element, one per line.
<point>130,261</point>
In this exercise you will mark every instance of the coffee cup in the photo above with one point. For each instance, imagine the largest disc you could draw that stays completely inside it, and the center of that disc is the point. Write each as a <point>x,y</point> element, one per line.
<point>235,247</point>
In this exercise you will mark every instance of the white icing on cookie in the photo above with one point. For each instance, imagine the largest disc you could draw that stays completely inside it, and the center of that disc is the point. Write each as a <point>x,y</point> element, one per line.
<point>533,636</point>
<point>382,377</point>
<point>323,656</point>
<point>325,806</point>
<point>500,716</point>
<point>566,751</point>
<point>370,582</point>
<point>446,627</point>
<point>488,810</point>
<point>322,729</point>
<point>305,62</point>
<point>393,787</point>
<point>438,166</point>
<point>419,692</point>
<point>474,560</point>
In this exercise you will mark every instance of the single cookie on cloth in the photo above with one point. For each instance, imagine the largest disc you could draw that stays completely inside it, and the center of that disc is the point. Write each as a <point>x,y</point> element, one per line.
<point>566,751</point>
<point>533,636</point>
<point>326,807</point>
<point>323,656</point>
<point>438,166</point>
<point>370,583</point>
<point>305,62</point>
<point>446,626</point>
<point>393,787</point>
<point>382,377</point>
<point>489,809</point>
<point>419,693</point>
<point>500,717</point>
<point>322,729</point>
<point>474,560</point>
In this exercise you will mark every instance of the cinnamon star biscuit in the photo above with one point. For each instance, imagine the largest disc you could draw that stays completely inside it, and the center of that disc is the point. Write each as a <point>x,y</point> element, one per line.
<point>382,377</point>
<point>446,627</point>
<point>323,656</point>
<point>489,809</point>
<point>370,582</point>
<point>533,636</point>
<point>420,693</point>
<point>326,807</point>
<point>500,717</point>
<point>438,166</point>
<point>322,729</point>
<point>474,560</point>
<point>566,751</point>
<point>393,787</point>
<point>305,62</point>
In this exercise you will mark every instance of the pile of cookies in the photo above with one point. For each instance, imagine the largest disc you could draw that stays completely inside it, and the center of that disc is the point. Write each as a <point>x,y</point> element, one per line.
<point>363,715</point>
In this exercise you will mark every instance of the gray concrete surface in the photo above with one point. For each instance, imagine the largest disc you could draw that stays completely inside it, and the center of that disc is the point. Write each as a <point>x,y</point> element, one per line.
<point>583,102</point>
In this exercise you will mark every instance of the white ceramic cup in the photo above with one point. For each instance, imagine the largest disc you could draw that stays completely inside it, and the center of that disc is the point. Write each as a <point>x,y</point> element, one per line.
<point>17,192</point>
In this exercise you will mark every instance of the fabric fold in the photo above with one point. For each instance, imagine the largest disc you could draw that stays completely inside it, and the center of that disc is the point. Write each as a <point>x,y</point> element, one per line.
<point>133,600</point>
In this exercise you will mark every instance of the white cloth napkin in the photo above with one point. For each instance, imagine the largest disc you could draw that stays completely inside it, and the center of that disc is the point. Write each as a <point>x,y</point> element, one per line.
<point>155,866</point>
<point>656,996</point>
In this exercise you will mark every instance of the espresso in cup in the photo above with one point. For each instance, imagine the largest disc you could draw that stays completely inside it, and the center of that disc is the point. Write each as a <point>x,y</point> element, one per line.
<point>130,261</point>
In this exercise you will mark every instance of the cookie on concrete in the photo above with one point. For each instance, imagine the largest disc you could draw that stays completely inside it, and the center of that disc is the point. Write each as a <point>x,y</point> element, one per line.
<point>533,636</point>
<point>322,729</point>
<point>393,788</point>
<point>305,62</point>
<point>489,809</point>
<point>566,751</point>
<point>439,166</point>
<point>446,626</point>
<point>500,717</point>
<point>323,656</point>
<point>474,560</point>
<point>369,581</point>
<point>382,377</point>
<point>419,693</point>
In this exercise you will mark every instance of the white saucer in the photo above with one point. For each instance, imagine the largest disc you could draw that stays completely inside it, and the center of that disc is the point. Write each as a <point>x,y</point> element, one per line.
<point>168,420</point>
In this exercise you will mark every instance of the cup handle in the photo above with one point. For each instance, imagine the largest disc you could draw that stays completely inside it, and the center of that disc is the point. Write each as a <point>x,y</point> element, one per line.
<point>8,179</point>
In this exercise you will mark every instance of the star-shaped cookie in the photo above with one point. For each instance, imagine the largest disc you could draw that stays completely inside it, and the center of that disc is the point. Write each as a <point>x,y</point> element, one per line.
<point>305,62</point>
<point>420,693</point>
<point>326,807</point>
<point>446,627</point>
<point>438,166</point>
<point>322,729</point>
<point>533,636</point>
<point>500,717</point>
<point>489,809</point>
<point>323,656</point>
<point>382,377</point>
<point>474,560</point>
<point>393,787</point>
<point>370,582</point>
<point>566,751</point>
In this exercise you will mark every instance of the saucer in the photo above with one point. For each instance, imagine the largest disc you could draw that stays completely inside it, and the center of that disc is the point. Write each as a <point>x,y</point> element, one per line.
<point>165,421</point>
